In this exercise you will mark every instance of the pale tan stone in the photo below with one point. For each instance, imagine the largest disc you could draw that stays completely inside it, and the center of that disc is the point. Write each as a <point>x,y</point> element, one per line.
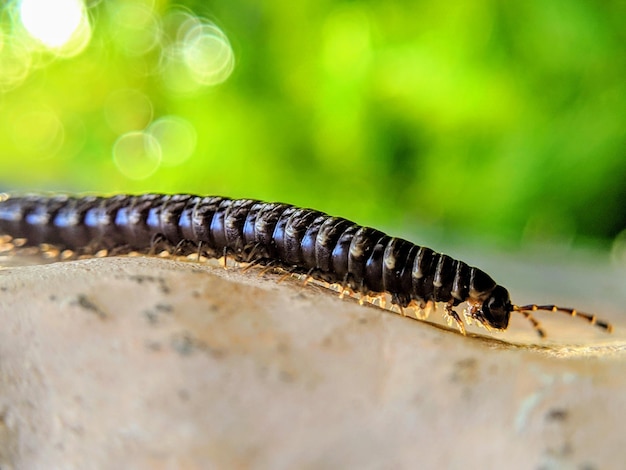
<point>149,363</point>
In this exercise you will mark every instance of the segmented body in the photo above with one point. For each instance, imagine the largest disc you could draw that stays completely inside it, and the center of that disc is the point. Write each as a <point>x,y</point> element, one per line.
<point>298,240</point>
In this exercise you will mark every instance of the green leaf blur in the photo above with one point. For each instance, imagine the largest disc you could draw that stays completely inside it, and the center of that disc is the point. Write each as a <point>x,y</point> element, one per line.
<point>499,119</point>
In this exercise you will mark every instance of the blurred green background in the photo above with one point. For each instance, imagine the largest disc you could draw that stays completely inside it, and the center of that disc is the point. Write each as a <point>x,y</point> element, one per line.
<point>498,120</point>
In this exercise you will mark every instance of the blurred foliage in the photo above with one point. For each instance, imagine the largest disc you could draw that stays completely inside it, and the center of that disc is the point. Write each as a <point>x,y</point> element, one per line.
<point>503,119</point>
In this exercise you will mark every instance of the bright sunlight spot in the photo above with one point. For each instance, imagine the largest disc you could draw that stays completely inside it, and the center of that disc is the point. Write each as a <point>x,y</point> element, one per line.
<point>53,22</point>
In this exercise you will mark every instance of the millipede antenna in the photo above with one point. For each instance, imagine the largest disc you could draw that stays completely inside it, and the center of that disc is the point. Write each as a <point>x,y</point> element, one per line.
<point>527,309</point>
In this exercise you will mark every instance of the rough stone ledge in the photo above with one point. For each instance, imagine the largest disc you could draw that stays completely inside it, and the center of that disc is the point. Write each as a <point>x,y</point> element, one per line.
<point>149,363</point>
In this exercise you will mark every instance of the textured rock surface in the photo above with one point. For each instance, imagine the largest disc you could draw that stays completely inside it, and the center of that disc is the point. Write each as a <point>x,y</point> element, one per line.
<point>149,363</point>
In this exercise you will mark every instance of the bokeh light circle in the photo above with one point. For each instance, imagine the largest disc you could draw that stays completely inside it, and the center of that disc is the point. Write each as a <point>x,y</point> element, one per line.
<point>184,22</point>
<point>195,52</point>
<point>127,110</point>
<point>176,137</point>
<point>38,133</point>
<point>59,25</point>
<point>137,28</point>
<point>15,63</point>
<point>208,54</point>
<point>137,155</point>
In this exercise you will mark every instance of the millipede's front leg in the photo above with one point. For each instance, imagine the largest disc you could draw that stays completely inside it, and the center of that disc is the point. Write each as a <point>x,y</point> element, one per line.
<point>455,316</point>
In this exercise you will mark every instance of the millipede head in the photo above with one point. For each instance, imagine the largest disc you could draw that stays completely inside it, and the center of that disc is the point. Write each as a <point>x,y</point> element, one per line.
<point>527,310</point>
<point>495,311</point>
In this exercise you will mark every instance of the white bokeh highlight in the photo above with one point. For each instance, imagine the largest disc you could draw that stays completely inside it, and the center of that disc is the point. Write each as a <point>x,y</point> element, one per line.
<point>197,53</point>
<point>137,155</point>
<point>59,25</point>
<point>176,137</point>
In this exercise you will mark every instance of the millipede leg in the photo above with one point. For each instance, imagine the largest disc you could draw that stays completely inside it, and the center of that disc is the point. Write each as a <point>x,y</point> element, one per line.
<point>253,252</point>
<point>454,316</point>
<point>178,249</point>
<point>428,308</point>
<point>266,269</point>
<point>362,291</point>
<point>225,258</point>
<point>344,285</point>
<point>467,315</point>
<point>419,308</point>
<point>118,250</point>
<point>395,300</point>
<point>252,264</point>
<point>156,240</point>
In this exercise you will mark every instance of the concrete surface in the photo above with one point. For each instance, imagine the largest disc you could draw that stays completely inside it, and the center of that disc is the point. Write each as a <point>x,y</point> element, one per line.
<point>149,363</point>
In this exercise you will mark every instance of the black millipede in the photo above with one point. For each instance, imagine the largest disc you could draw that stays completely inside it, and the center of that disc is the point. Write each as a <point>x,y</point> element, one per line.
<point>302,241</point>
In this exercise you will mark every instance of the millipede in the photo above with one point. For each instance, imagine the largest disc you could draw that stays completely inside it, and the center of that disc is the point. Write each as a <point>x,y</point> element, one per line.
<point>362,260</point>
